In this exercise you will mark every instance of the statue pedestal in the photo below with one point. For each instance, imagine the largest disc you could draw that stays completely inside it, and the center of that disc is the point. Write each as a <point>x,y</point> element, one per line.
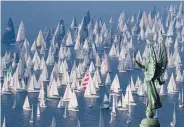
<point>150,122</point>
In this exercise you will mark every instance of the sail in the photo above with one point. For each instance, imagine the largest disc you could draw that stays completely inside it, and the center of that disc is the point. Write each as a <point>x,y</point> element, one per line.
<point>26,105</point>
<point>21,33</point>
<point>9,33</point>
<point>105,102</point>
<point>73,104</point>
<point>171,85</point>
<point>68,94</point>
<point>112,52</point>
<point>108,79</point>
<point>69,40</point>
<point>60,104</point>
<point>53,89</point>
<point>115,86</point>
<point>85,81</point>
<point>40,40</point>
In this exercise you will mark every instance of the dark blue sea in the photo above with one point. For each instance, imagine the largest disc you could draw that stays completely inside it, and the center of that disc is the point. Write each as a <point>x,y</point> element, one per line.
<point>38,15</point>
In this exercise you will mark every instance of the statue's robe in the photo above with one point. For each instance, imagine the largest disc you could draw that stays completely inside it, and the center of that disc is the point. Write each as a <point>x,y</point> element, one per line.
<point>154,101</point>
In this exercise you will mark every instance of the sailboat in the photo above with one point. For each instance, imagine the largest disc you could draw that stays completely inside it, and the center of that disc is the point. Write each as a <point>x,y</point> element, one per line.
<point>90,89</point>
<point>68,94</point>
<point>108,79</point>
<point>21,33</point>
<point>129,97</point>
<point>53,90</point>
<point>73,104</point>
<point>173,122</point>
<point>53,124</point>
<point>105,104</point>
<point>115,86</point>
<point>31,120</point>
<point>26,105</point>
<point>181,101</point>
<point>60,104</point>
<point>121,104</point>
<point>33,84</point>
<point>171,88</point>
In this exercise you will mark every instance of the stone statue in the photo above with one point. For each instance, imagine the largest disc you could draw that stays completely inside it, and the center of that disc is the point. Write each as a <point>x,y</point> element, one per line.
<point>154,67</point>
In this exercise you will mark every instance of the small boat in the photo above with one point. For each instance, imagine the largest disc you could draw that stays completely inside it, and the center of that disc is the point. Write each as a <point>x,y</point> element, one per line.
<point>173,122</point>
<point>73,104</point>
<point>105,104</point>
<point>26,105</point>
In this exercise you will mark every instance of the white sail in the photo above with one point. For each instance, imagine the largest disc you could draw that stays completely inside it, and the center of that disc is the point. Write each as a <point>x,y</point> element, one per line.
<point>115,86</point>
<point>162,90</point>
<point>129,97</point>
<point>179,76</point>
<point>124,106</point>
<point>68,94</point>
<point>171,88</point>
<point>69,40</point>
<point>112,52</point>
<point>5,86</point>
<point>132,85</point>
<point>140,90</point>
<point>53,91</point>
<point>33,84</point>
<point>40,39</point>
<point>33,47</point>
<point>50,59</point>
<point>73,104</point>
<point>165,77</point>
<point>60,104</point>
<point>91,67</point>
<point>21,33</point>
<point>26,105</point>
<point>98,61</point>
<point>108,79</point>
